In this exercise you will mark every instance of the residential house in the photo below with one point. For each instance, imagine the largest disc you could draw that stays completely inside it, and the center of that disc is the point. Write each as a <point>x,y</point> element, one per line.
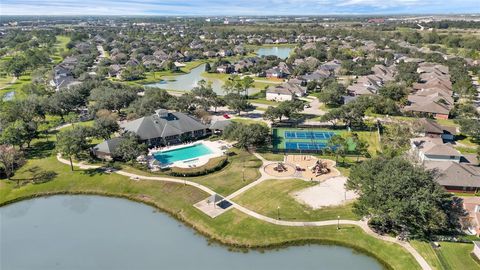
<point>166,128</point>
<point>456,176</point>
<point>434,149</point>
<point>285,91</point>
<point>433,94</point>
<point>226,68</point>
<point>365,85</point>
<point>430,128</point>
<point>283,70</point>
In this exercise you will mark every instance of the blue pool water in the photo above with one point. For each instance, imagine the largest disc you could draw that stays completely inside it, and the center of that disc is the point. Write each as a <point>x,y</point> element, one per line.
<point>189,152</point>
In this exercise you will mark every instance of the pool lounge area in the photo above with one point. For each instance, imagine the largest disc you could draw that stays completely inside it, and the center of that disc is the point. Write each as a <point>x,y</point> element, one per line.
<point>189,155</point>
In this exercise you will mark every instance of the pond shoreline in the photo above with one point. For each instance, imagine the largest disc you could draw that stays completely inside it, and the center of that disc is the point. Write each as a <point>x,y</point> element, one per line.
<point>230,245</point>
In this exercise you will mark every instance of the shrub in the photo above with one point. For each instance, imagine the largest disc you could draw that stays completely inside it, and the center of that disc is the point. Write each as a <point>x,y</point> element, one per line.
<point>213,165</point>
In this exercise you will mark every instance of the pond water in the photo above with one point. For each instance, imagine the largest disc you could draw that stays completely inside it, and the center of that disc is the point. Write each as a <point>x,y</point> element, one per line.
<point>8,96</point>
<point>91,232</point>
<point>280,52</point>
<point>186,82</point>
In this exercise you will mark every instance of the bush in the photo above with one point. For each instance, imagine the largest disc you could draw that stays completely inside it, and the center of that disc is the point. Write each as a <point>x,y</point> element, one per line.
<point>213,165</point>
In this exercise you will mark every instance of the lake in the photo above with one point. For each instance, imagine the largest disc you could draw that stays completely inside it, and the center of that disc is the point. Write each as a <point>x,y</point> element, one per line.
<point>92,232</point>
<point>185,82</point>
<point>280,52</point>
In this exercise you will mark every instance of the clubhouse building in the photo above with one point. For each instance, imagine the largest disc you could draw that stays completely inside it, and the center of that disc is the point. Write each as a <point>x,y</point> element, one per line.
<point>166,128</point>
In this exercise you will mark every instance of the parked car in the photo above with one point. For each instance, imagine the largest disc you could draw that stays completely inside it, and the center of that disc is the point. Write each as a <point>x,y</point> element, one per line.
<point>226,116</point>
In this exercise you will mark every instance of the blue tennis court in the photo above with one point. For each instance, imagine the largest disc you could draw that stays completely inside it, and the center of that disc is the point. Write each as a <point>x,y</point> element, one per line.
<point>316,135</point>
<point>305,146</point>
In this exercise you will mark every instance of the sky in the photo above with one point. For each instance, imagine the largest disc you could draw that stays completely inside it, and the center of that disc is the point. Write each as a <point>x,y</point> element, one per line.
<point>235,7</point>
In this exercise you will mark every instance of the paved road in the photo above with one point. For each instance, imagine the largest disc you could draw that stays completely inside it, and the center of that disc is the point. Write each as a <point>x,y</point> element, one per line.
<point>362,223</point>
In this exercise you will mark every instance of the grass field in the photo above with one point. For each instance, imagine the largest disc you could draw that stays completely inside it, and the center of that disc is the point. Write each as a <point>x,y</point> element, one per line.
<point>449,256</point>
<point>17,86</point>
<point>267,196</point>
<point>60,46</point>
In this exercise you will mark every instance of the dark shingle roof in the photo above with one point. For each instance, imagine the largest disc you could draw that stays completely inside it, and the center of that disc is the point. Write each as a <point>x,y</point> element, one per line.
<point>163,125</point>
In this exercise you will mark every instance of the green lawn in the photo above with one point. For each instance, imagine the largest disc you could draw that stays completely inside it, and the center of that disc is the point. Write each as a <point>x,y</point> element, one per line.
<point>428,253</point>
<point>457,256</point>
<point>241,171</point>
<point>5,80</point>
<point>224,77</point>
<point>60,46</point>
<point>17,86</point>
<point>239,119</point>
<point>267,196</point>
<point>449,256</point>
<point>226,181</point>
<point>264,101</point>
<point>373,140</point>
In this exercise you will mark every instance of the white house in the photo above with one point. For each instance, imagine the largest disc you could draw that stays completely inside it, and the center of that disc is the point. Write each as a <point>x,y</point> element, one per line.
<point>433,149</point>
<point>285,91</point>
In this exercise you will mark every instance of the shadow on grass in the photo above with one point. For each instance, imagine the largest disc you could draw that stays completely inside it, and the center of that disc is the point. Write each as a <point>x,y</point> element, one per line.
<point>38,176</point>
<point>93,172</point>
<point>41,149</point>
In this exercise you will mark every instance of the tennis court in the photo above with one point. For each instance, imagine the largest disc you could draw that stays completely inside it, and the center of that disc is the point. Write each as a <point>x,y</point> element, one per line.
<point>296,139</point>
<point>305,146</point>
<point>316,135</point>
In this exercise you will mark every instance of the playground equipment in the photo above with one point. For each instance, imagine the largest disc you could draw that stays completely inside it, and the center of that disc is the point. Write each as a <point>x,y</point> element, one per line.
<point>280,167</point>
<point>320,168</point>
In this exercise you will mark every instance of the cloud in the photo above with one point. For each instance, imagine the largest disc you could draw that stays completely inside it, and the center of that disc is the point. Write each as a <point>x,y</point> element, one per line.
<point>232,7</point>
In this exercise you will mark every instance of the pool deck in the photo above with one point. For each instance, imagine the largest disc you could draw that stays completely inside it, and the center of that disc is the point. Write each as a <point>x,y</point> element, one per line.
<point>217,148</point>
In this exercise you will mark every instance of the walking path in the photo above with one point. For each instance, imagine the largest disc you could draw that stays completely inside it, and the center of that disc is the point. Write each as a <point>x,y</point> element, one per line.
<point>361,223</point>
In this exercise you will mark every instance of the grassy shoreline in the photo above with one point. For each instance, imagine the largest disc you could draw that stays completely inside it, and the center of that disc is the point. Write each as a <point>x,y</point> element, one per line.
<point>230,245</point>
<point>234,228</point>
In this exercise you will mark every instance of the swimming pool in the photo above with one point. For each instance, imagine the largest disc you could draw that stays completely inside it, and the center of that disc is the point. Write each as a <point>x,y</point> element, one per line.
<point>184,153</point>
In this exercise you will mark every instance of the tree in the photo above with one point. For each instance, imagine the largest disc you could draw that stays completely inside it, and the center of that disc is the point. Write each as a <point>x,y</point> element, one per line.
<point>237,102</point>
<point>407,72</point>
<point>129,148</point>
<point>396,139</point>
<point>17,65</point>
<point>361,146</point>
<point>105,126</point>
<point>72,142</point>
<point>285,108</point>
<point>112,97</point>
<point>19,133</point>
<point>247,83</point>
<point>153,99</point>
<point>394,91</point>
<point>10,159</point>
<point>403,198</point>
<point>205,96</point>
<point>339,146</point>
<point>332,94</point>
<point>247,135</point>
<point>235,84</point>
<point>272,113</point>
<point>470,127</point>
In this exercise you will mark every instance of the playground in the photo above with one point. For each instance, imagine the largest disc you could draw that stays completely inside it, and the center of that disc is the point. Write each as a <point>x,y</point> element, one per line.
<point>306,167</point>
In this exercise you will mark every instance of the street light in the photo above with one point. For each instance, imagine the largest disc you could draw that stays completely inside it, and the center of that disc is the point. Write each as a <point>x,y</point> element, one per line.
<point>338,222</point>
<point>278,212</point>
